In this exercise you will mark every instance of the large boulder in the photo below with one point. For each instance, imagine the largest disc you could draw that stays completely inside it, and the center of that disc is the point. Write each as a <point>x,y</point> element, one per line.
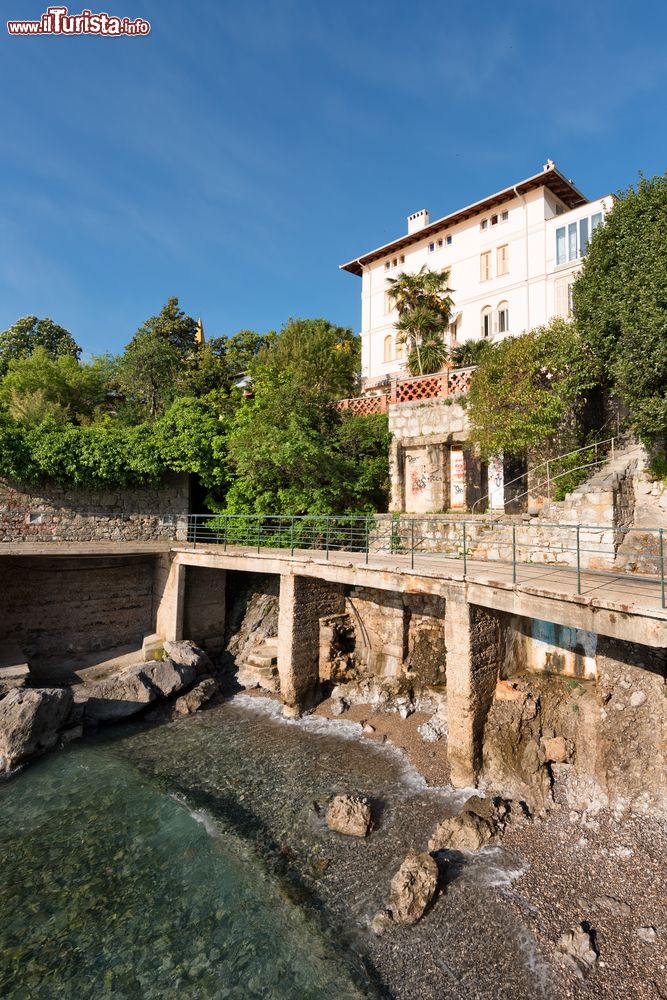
<point>169,677</point>
<point>30,721</point>
<point>413,888</point>
<point>197,696</point>
<point>351,815</point>
<point>119,696</point>
<point>480,822</point>
<point>187,654</point>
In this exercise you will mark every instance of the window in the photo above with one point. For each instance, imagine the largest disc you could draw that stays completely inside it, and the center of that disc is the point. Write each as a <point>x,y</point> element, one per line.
<point>431,247</point>
<point>35,517</point>
<point>502,259</point>
<point>484,223</point>
<point>494,220</point>
<point>394,262</point>
<point>388,354</point>
<point>402,258</point>
<point>386,265</point>
<point>503,317</point>
<point>504,216</point>
<point>487,322</point>
<point>388,303</point>
<point>563,297</point>
<point>449,241</point>
<point>485,266</point>
<point>572,240</point>
<point>439,243</point>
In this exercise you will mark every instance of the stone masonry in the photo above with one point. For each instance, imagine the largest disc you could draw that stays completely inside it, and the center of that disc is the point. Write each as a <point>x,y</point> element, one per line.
<point>56,513</point>
<point>303,602</point>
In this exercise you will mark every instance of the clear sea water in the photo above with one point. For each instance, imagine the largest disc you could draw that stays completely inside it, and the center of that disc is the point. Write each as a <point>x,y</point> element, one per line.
<point>190,860</point>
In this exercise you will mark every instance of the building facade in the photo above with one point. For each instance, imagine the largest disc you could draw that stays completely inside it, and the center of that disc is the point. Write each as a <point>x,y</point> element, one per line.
<point>512,259</point>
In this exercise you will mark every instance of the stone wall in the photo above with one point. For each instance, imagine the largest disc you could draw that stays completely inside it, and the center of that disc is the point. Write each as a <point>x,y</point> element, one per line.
<point>58,608</point>
<point>204,607</point>
<point>399,634</point>
<point>55,513</point>
<point>303,602</point>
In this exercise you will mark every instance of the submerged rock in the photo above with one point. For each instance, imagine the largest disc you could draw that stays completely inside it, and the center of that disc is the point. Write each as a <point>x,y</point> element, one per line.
<point>187,654</point>
<point>30,721</point>
<point>576,949</point>
<point>351,815</point>
<point>480,822</point>
<point>413,888</point>
<point>197,696</point>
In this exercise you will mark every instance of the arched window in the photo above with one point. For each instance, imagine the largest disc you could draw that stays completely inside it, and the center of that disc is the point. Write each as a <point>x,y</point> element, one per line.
<point>503,317</point>
<point>388,348</point>
<point>487,322</point>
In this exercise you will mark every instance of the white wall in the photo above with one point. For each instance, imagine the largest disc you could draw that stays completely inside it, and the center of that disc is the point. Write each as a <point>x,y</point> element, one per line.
<point>529,288</point>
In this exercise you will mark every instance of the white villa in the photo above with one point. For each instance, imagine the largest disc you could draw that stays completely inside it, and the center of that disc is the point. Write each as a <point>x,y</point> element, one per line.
<point>512,259</point>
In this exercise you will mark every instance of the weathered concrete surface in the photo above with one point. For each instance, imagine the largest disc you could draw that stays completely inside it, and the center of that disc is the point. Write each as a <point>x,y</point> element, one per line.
<point>303,601</point>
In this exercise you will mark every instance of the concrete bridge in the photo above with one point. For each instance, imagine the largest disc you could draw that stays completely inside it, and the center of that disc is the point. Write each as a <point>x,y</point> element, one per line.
<point>546,617</point>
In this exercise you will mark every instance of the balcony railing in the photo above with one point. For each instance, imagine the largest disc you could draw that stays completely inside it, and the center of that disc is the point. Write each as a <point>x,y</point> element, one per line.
<point>440,385</point>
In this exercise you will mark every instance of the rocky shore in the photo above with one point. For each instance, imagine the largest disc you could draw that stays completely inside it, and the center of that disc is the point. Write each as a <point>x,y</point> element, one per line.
<point>593,886</point>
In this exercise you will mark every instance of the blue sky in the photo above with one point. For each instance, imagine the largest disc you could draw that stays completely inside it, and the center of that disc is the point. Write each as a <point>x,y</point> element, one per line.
<point>238,154</point>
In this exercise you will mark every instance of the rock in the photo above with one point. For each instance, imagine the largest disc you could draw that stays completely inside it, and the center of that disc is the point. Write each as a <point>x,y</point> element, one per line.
<point>576,949</point>
<point>197,696</point>
<point>338,706</point>
<point>351,815</point>
<point>637,698</point>
<point>120,695</point>
<point>434,729</point>
<point>30,720</point>
<point>617,907</point>
<point>412,890</point>
<point>71,734</point>
<point>647,934</point>
<point>15,675</point>
<point>187,654</point>
<point>169,677</point>
<point>557,749</point>
<point>480,822</point>
<point>368,729</point>
<point>249,676</point>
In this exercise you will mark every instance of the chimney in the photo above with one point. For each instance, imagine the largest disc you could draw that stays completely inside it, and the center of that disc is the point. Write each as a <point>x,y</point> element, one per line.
<point>417,221</point>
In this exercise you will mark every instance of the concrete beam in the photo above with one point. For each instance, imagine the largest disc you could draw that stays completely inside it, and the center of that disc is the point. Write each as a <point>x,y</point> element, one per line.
<point>169,589</point>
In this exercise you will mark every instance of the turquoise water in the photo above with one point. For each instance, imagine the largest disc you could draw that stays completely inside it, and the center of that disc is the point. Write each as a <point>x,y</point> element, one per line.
<point>189,860</point>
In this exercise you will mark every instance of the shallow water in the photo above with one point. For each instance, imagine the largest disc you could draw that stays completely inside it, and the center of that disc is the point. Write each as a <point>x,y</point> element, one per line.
<point>189,860</point>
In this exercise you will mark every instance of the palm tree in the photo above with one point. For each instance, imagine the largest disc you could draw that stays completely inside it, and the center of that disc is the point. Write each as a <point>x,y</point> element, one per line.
<point>424,306</point>
<point>470,353</point>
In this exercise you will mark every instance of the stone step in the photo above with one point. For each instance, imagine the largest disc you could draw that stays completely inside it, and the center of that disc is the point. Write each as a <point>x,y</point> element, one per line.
<point>250,676</point>
<point>261,661</point>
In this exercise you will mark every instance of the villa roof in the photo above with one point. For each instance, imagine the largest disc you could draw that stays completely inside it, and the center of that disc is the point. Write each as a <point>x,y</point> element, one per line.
<point>550,177</point>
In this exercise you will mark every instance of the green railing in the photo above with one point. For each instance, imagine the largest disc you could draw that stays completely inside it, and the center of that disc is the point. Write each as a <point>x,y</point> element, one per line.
<point>590,549</point>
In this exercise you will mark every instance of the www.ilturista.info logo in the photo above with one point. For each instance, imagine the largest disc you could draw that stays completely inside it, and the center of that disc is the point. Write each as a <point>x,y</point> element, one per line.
<point>57,21</point>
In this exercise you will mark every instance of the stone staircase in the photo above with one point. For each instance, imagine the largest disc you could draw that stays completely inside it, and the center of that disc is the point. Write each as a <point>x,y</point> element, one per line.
<point>260,666</point>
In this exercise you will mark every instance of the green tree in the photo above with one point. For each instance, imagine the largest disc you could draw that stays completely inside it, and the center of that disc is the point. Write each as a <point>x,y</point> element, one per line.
<point>39,386</point>
<point>526,388</point>
<point>29,333</point>
<point>156,358</point>
<point>424,304</point>
<point>192,437</point>
<point>315,354</point>
<point>620,303</point>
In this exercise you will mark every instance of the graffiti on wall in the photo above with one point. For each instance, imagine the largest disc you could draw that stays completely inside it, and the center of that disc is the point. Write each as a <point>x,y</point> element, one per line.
<point>458,479</point>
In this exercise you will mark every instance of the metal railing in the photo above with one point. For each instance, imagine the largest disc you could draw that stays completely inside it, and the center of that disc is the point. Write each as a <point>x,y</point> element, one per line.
<point>597,447</point>
<point>581,548</point>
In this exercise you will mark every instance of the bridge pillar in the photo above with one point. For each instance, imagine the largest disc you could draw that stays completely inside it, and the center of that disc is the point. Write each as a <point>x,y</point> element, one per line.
<point>473,659</point>
<point>204,607</point>
<point>303,601</point>
<point>170,588</point>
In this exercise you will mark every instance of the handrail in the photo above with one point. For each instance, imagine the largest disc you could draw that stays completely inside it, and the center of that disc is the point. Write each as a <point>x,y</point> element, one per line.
<point>551,461</point>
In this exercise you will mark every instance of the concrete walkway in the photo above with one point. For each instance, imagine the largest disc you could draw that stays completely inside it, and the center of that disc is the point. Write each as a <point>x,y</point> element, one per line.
<point>621,591</point>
